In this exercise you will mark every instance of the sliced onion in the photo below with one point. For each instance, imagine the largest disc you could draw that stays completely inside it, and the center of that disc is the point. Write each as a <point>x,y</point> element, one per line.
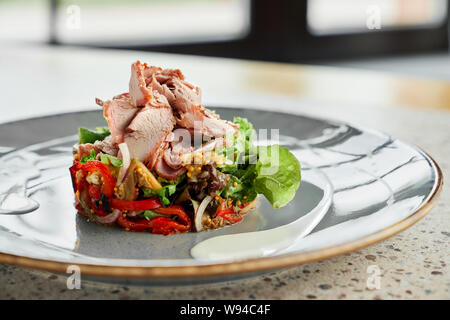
<point>110,218</point>
<point>125,153</point>
<point>199,212</point>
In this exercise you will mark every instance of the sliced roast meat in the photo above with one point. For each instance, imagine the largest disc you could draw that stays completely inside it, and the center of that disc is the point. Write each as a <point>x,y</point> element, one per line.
<point>211,145</point>
<point>162,75</point>
<point>83,149</point>
<point>139,93</point>
<point>172,159</point>
<point>163,170</point>
<point>118,113</point>
<point>186,102</point>
<point>158,101</point>
<point>99,102</point>
<point>180,143</point>
<point>149,71</point>
<point>106,146</point>
<point>213,127</point>
<point>187,98</point>
<point>161,88</point>
<point>122,95</point>
<point>157,154</point>
<point>147,131</point>
<point>168,74</point>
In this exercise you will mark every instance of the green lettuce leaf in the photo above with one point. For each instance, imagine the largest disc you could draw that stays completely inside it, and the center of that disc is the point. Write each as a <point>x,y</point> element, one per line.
<point>275,173</point>
<point>90,136</point>
<point>278,174</point>
<point>241,145</point>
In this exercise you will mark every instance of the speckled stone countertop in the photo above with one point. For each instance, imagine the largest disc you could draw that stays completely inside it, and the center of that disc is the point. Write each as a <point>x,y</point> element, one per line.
<point>413,264</point>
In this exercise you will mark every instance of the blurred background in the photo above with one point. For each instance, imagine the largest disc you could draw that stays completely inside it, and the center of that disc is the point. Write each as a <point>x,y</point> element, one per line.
<point>85,47</point>
<point>310,31</point>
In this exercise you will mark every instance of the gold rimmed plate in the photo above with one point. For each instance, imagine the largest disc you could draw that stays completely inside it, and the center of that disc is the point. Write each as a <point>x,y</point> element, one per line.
<point>380,186</point>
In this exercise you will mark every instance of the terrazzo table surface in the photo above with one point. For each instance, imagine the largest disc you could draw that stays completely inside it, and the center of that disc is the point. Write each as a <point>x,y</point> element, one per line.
<point>413,263</point>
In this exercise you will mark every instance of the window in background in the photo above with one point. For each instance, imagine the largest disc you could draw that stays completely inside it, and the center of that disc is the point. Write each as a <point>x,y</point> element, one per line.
<point>142,22</point>
<point>326,17</point>
<point>24,20</point>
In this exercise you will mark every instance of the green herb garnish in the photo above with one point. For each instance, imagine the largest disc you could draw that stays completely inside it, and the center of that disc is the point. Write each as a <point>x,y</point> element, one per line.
<point>164,193</point>
<point>108,159</point>
<point>92,156</point>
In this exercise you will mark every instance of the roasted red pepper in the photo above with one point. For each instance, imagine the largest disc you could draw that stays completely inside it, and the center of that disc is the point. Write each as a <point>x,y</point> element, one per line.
<point>94,195</point>
<point>108,181</point>
<point>179,212</point>
<point>159,225</point>
<point>148,204</point>
<point>166,226</point>
<point>227,213</point>
<point>94,191</point>
<point>138,225</point>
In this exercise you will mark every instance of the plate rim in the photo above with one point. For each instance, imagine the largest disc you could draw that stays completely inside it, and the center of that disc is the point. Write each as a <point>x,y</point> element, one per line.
<point>253,265</point>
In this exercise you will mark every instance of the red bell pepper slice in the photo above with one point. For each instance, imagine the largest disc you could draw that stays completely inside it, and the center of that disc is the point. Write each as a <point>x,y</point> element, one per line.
<point>227,213</point>
<point>178,211</point>
<point>108,181</point>
<point>139,225</point>
<point>148,204</point>
<point>166,226</point>
<point>94,191</point>
<point>159,225</point>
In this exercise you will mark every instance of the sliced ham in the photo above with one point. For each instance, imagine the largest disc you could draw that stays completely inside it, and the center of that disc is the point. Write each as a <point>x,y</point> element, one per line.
<point>139,93</point>
<point>118,113</point>
<point>148,130</point>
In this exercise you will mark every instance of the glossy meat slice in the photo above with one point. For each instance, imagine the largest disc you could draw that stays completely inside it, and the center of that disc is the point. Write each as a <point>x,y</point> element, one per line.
<point>186,102</point>
<point>148,130</point>
<point>180,142</point>
<point>185,99</point>
<point>163,170</point>
<point>139,93</point>
<point>106,146</point>
<point>118,113</point>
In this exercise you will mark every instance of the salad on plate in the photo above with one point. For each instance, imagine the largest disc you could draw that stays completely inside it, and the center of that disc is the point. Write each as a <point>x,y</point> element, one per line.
<point>166,164</point>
